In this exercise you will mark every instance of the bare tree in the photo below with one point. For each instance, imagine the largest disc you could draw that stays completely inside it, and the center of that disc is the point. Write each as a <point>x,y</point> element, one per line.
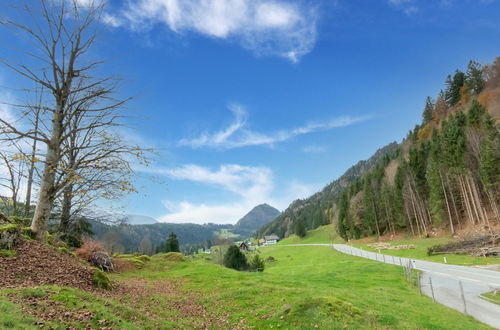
<point>60,33</point>
<point>14,164</point>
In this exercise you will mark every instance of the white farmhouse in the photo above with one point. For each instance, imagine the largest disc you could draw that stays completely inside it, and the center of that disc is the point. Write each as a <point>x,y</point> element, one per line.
<point>271,239</point>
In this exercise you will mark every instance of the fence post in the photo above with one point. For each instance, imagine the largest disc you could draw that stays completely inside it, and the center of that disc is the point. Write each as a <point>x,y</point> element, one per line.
<point>463,296</point>
<point>432,289</point>
<point>393,262</point>
<point>376,256</point>
<point>383,256</point>
<point>400,262</point>
<point>419,284</point>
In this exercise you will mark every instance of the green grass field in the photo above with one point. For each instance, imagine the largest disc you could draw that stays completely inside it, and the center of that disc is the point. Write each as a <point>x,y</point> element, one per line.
<point>326,234</point>
<point>306,287</point>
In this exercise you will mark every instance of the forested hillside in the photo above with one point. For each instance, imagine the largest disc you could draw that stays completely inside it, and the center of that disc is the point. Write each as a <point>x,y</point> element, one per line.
<point>319,209</point>
<point>445,173</point>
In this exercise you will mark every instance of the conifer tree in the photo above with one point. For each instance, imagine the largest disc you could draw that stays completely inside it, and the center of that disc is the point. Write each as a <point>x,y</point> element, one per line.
<point>172,244</point>
<point>235,259</point>
<point>429,107</point>
<point>300,229</point>
<point>453,87</point>
<point>474,77</point>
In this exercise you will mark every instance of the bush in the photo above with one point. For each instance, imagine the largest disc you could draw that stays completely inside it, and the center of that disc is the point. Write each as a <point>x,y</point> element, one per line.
<point>87,249</point>
<point>235,259</point>
<point>257,264</point>
<point>101,280</point>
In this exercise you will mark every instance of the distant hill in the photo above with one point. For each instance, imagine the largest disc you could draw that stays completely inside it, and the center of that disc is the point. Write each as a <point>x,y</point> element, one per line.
<point>134,219</point>
<point>127,238</point>
<point>256,218</point>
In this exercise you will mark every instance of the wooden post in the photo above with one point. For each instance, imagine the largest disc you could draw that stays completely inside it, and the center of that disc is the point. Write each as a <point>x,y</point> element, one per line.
<point>419,284</point>
<point>432,289</point>
<point>463,296</point>
<point>383,256</point>
<point>400,262</point>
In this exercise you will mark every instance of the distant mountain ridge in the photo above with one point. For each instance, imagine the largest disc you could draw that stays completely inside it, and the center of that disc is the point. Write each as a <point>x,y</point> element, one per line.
<point>135,219</point>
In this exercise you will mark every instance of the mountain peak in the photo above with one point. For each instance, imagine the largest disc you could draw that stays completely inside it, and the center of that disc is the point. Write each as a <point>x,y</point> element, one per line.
<point>257,217</point>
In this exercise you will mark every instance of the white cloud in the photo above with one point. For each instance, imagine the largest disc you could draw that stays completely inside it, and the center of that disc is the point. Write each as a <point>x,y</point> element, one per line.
<point>266,27</point>
<point>236,135</point>
<point>249,186</point>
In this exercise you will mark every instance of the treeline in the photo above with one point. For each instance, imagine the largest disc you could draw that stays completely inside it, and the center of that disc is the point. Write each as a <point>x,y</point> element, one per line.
<point>149,239</point>
<point>446,172</point>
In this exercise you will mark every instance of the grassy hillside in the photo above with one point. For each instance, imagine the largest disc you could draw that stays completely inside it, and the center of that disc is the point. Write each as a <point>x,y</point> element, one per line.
<point>323,234</point>
<point>306,287</point>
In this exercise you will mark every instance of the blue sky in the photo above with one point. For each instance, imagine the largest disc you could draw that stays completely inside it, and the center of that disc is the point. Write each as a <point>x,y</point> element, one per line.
<point>252,101</point>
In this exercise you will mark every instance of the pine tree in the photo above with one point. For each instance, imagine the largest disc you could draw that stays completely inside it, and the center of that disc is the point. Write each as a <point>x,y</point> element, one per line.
<point>257,264</point>
<point>453,88</point>
<point>474,77</point>
<point>235,259</point>
<point>429,107</point>
<point>300,229</point>
<point>172,244</point>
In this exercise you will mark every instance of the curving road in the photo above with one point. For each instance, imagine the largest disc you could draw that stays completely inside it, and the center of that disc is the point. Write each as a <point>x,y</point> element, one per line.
<point>446,282</point>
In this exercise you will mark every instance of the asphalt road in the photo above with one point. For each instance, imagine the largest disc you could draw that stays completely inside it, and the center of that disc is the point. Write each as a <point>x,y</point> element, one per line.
<point>446,280</point>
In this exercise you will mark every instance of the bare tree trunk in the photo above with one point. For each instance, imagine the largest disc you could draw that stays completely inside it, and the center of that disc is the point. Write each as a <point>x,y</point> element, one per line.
<point>47,186</point>
<point>447,203</point>
<point>408,217</point>
<point>493,204</point>
<point>465,200</point>
<point>453,202</point>
<point>31,170</point>
<point>66,208</point>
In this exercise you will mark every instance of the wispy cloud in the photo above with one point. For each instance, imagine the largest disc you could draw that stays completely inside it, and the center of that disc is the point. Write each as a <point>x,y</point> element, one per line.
<point>409,7</point>
<point>314,149</point>
<point>266,27</point>
<point>237,135</point>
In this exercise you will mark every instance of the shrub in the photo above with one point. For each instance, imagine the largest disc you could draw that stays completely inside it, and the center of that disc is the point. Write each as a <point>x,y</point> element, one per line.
<point>235,259</point>
<point>87,249</point>
<point>257,264</point>
<point>101,280</point>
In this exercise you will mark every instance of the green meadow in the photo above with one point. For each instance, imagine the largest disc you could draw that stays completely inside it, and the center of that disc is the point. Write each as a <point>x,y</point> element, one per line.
<point>306,287</point>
